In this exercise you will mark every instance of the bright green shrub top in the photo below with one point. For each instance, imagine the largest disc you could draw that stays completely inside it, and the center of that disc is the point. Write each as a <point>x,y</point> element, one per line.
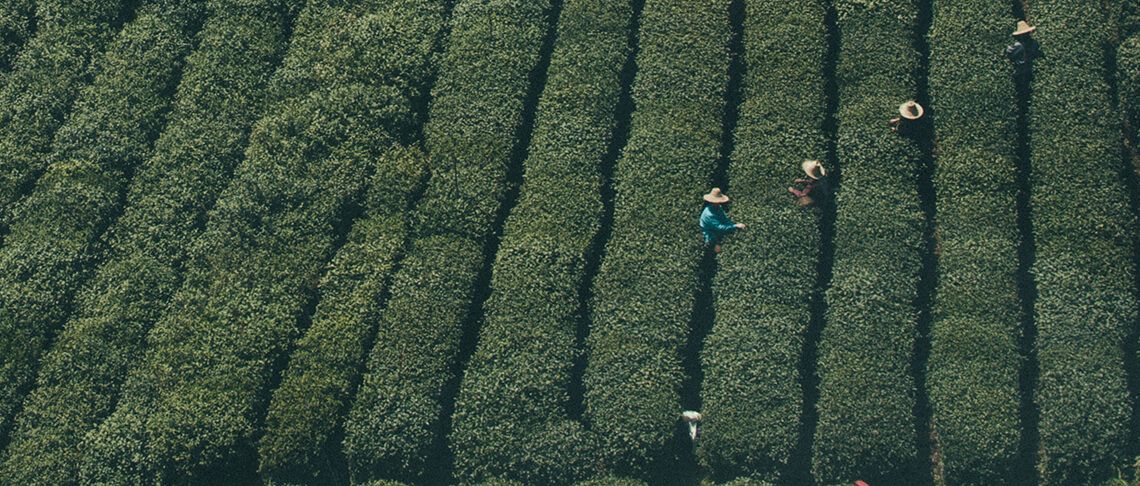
<point>220,95</point>
<point>308,408</point>
<point>45,80</point>
<point>513,417</point>
<point>1084,229</point>
<point>645,289</point>
<point>973,371</point>
<point>866,391</point>
<point>54,233</point>
<point>195,402</point>
<point>396,426</point>
<point>751,394</point>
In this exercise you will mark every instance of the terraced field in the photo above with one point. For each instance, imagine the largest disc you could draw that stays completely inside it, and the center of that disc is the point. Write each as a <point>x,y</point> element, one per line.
<point>456,242</point>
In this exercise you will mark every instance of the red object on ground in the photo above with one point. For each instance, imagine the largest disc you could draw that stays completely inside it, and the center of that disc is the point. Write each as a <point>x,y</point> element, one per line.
<point>860,482</point>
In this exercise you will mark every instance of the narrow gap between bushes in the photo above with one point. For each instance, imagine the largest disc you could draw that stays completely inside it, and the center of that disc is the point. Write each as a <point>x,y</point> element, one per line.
<point>474,319</point>
<point>799,467</point>
<point>1129,176</point>
<point>576,408</point>
<point>1028,413</point>
<point>685,467</point>
<point>928,278</point>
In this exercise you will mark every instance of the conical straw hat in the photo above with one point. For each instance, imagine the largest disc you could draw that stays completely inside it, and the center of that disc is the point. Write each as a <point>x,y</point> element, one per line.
<point>810,166</point>
<point>715,196</point>
<point>1023,27</point>
<point>911,110</point>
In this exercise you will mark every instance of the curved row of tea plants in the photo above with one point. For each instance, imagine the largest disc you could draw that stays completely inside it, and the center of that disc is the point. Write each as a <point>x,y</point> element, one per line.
<point>513,417</point>
<point>195,403</point>
<point>396,426</point>
<point>16,21</point>
<point>645,289</point>
<point>1083,228</point>
<point>220,96</point>
<point>973,371</point>
<point>307,412</point>
<point>53,234</point>
<point>751,394</point>
<point>866,390</point>
<point>46,78</point>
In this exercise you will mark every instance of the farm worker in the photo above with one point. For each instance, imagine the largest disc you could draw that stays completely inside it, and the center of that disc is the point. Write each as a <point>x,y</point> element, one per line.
<point>816,181</point>
<point>1024,49</point>
<point>910,113</point>
<point>693,419</point>
<point>714,222</point>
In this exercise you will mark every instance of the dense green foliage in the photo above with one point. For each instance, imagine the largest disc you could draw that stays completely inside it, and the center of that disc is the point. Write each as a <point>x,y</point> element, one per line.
<point>1083,228</point>
<point>221,94</point>
<point>972,374</point>
<point>308,408</point>
<point>645,289</point>
<point>54,233</point>
<point>193,406</point>
<point>751,394</point>
<point>866,391</point>
<point>15,27</point>
<point>44,82</point>
<point>513,417</point>
<point>396,425</point>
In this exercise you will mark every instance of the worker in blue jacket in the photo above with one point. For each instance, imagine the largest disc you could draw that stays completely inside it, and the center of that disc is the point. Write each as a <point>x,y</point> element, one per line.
<point>714,222</point>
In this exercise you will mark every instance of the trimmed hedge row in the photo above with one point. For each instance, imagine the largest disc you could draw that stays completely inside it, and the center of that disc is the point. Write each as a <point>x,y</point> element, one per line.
<point>220,96</point>
<point>973,371</point>
<point>396,426</point>
<point>15,28</point>
<point>647,284</point>
<point>54,233</point>
<point>751,394</point>
<point>512,419</point>
<point>866,391</point>
<point>194,405</point>
<point>45,79</point>
<point>308,408</point>
<point>1083,228</point>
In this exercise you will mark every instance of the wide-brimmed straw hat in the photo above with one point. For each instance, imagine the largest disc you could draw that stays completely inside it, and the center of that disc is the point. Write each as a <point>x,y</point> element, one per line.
<point>715,196</point>
<point>810,166</point>
<point>1023,27</point>
<point>911,110</point>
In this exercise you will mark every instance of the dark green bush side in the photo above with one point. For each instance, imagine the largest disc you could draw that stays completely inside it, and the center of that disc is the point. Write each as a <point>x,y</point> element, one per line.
<point>15,27</point>
<point>45,80</point>
<point>395,427</point>
<point>1083,228</point>
<point>512,418</point>
<point>866,391</point>
<point>1128,75</point>
<point>751,393</point>
<point>194,405</point>
<point>53,239</point>
<point>220,96</point>
<point>973,371</point>
<point>646,286</point>
<point>308,409</point>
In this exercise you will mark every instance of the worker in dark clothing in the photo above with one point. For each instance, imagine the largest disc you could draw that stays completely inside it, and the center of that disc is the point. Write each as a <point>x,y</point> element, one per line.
<point>1024,48</point>
<point>714,222</point>
<point>910,116</point>
<point>815,187</point>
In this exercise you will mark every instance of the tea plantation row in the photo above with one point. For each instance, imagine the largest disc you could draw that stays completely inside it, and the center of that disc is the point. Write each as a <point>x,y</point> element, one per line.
<point>279,239</point>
